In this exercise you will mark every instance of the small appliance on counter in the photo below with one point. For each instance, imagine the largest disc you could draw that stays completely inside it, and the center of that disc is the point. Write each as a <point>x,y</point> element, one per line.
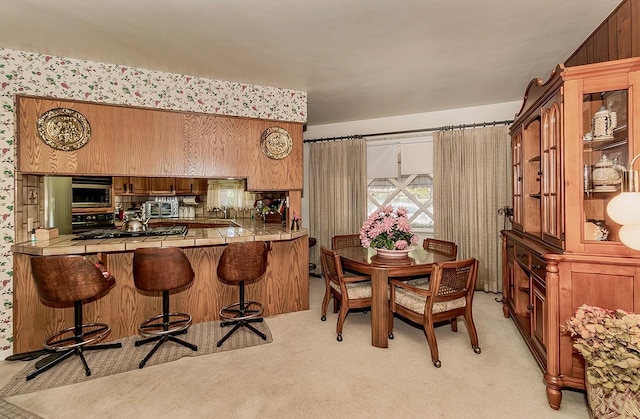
<point>162,208</point>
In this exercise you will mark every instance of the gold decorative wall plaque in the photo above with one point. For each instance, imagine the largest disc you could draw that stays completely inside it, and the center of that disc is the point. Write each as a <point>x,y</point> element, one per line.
<point>276,143</point>
<point>64,129</point>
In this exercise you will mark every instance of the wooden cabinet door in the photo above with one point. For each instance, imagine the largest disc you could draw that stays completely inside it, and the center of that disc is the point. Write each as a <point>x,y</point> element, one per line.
<point>120,185</point>
<point>200,186</point>
<point>551,177</point>
<point>191,186</point>
<point>162,186</point>
<point>138,185</point>
<point>539,333</point>
<point>518,203</point>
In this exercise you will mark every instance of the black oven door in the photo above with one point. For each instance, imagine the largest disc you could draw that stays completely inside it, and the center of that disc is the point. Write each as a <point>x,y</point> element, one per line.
<point>81,223</point>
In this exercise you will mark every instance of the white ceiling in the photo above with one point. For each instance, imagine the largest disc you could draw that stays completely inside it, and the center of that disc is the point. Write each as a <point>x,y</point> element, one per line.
<point>356,59</point>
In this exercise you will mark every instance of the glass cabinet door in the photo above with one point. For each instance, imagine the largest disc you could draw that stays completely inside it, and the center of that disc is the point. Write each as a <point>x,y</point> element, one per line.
<point>552,218</point>
<point>605,157</point>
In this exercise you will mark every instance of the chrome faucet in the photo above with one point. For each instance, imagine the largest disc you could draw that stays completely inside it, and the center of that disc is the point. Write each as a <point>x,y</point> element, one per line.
<point>221,209</point>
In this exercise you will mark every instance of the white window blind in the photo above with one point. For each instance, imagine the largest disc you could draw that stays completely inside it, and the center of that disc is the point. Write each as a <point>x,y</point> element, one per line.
<point>416,158</point>
<point>382,161</point>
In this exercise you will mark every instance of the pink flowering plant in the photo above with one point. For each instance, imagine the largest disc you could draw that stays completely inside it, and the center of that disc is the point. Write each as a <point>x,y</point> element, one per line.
<point>387,228</point>
<point>609,341</point>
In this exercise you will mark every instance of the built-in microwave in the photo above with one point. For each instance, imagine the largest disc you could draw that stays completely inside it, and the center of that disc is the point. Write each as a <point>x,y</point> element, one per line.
<point>91,192</point>
<point>161,209</point>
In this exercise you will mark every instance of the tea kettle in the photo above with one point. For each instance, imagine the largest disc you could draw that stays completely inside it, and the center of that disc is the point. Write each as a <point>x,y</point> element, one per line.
<point>135,225</point>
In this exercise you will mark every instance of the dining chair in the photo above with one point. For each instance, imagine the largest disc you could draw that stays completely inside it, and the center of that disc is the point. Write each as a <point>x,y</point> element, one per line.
<point>345,240</point>
<point>448,294</point>
<point>440,246</point>
<point>348,292</point>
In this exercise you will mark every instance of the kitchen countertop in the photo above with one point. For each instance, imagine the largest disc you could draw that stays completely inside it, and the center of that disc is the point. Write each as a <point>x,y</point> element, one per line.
<point>239,230</point>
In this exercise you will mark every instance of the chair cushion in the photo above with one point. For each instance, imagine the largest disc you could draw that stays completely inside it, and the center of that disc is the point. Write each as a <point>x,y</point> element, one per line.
<point>414,302</point>
<point>355,290</point>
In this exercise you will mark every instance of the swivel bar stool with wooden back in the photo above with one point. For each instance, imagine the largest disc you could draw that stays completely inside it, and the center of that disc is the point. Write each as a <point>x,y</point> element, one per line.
<point>71,280</point>
<point>162,269</point>
<point>242,262</point>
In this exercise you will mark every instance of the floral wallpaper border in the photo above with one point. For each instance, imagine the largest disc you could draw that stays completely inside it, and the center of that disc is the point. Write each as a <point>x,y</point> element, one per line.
<point>33,74</point>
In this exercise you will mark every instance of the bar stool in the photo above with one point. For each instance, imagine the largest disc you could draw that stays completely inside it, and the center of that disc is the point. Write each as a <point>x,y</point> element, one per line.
<point>65,280</point>
<point>162,269</point>
<point>312,266</point>
<point>242,262</point>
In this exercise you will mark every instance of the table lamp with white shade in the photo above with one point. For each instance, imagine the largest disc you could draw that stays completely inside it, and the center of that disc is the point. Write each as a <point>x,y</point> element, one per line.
<point>624,209</point>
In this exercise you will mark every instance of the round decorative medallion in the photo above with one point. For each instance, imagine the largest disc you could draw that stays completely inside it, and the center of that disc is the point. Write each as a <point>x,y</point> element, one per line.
<point>64,129</point>
<point>276,143</point>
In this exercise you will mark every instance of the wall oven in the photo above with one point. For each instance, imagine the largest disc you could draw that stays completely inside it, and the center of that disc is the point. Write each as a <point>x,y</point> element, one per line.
<point>91,192</point>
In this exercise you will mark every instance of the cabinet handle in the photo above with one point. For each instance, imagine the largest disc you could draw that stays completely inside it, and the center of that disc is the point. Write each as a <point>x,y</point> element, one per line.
<point>191,187</point>
<point>520,178</point>
<point>124,187</point>
<point>509,246</point>
<point>522,255</point>
<point>171,188</point>
<point>536,266</point>
<point>539,173</point>
<point>530,307</point>
<point>131,187</point>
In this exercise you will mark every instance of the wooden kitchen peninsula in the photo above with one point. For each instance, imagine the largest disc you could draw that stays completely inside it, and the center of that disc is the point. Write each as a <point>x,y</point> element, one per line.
<point>285,287</point>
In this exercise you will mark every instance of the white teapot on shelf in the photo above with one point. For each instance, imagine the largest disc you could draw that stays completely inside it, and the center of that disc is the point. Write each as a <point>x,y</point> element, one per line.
<point>607,174</point>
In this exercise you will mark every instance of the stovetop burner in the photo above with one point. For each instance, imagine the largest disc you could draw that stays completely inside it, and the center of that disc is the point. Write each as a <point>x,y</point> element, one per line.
<point>110,233</point>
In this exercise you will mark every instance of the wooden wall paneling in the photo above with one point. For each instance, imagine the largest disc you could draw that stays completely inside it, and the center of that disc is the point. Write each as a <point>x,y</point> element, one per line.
<point>601,44</point>
<point>635,28</point>
<point>623,30</point>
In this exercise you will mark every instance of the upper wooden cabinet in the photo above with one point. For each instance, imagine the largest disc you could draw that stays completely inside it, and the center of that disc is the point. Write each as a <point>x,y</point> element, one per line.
<point>162,186</point>
<point>133,185</point>
<point>558,155</point>
<point>127,141</point>
<point>190,186</point>
<point>602,136</point>
<point>130,185</point>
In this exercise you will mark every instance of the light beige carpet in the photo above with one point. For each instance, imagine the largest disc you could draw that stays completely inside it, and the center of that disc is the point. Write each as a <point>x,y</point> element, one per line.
<point>306,373</point>
<point>114,361</point>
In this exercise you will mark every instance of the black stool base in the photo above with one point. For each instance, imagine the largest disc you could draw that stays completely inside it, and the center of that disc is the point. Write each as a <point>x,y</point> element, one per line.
<point>237,325</point>
<point>160,340</point>
<point>58,356</point>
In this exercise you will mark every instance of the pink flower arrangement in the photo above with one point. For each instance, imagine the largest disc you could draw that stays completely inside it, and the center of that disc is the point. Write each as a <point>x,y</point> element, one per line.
<point>387,228</point>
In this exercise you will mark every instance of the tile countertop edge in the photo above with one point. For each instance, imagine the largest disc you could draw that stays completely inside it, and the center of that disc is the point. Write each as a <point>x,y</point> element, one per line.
<point>64,245</point>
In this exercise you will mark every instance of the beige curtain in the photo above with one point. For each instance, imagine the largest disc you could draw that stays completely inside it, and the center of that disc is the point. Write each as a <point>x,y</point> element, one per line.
<point>471,182</point>
<point>337,190</point>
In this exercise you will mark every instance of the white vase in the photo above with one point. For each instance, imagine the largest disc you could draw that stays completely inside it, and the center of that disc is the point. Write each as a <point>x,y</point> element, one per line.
<point>393,254</point>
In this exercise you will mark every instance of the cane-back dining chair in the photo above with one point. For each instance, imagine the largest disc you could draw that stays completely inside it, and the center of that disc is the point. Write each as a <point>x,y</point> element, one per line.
<point>345,240</point>
<point>448,294</point>
<point>441,246</point>
<point>348,292</point>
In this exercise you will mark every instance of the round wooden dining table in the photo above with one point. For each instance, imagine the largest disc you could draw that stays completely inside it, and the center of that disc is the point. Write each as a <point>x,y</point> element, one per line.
<point>366,261</point>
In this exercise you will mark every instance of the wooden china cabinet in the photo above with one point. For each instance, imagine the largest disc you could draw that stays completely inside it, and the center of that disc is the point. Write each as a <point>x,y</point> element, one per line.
<point>563,250</point>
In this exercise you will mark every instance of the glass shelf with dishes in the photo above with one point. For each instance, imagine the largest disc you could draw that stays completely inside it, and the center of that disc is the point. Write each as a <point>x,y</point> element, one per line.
<point>605,158</point>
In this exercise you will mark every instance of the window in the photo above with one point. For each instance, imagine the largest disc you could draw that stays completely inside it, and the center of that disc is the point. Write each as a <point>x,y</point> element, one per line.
<point>412,185</point>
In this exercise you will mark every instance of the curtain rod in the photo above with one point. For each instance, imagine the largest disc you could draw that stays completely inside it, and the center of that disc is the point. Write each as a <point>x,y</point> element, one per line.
<point>413,131</point>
